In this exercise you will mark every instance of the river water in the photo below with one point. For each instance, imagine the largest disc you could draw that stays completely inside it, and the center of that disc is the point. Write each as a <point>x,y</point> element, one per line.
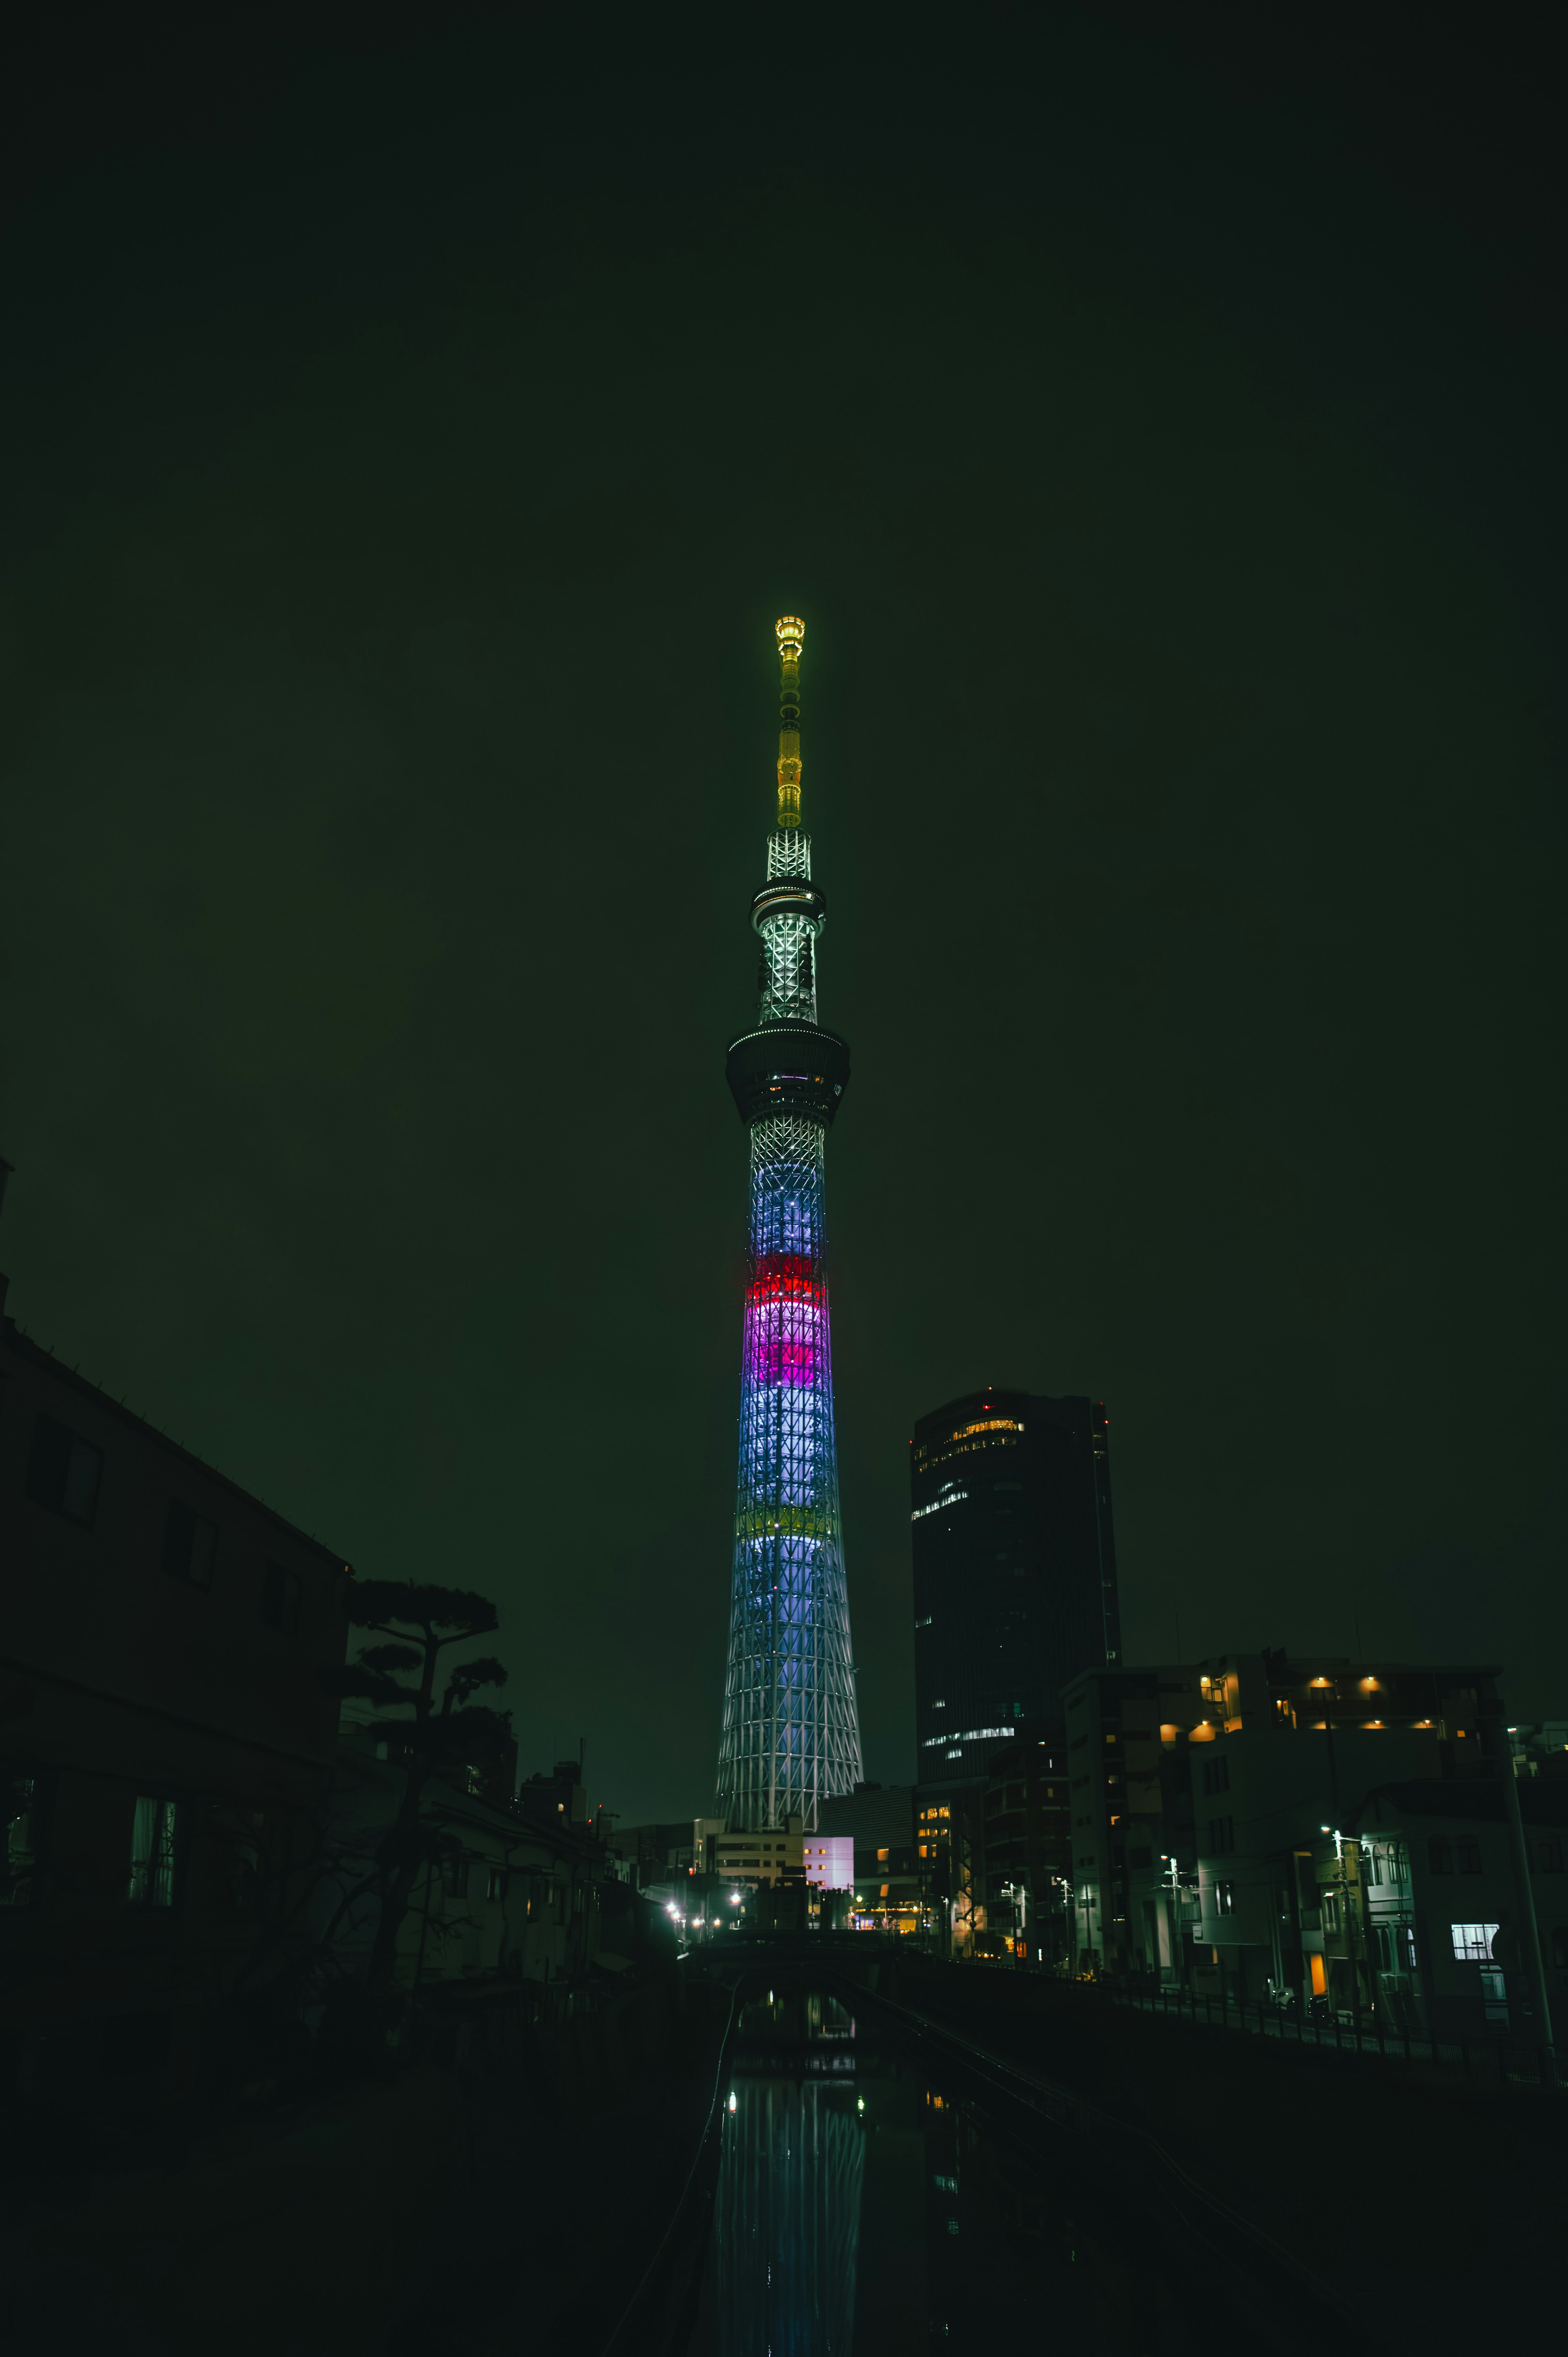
<point>861,2208</point>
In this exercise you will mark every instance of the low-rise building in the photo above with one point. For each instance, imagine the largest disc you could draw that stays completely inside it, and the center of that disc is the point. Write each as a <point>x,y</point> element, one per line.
<point>507,1895</point>
<point>1214,1807</point>
<point>1441,1924</point>
<point>889,1887</point>
<point>166,1744</point>
<point>1540,1747</point>
<point>655,1853</point>
<point>748,1861</point>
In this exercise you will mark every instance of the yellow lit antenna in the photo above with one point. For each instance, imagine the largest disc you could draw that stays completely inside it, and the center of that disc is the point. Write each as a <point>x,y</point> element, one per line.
<point>790,634</point>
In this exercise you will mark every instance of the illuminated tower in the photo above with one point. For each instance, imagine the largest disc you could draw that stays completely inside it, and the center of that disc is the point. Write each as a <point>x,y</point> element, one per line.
<point>791,1731</point>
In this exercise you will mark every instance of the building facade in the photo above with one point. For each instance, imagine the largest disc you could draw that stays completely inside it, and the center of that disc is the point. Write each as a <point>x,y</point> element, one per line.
<point>1278,1829</point>
<point>791,1735</point>
<point>1015,1570</point>
<point>166,1744</point>
<point>876,1823</point>
<point>1026,1850</point>
<point>513,1895</point>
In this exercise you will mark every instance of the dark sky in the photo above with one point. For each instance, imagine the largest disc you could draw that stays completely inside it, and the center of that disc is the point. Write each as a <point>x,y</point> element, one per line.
<point>410,436</point>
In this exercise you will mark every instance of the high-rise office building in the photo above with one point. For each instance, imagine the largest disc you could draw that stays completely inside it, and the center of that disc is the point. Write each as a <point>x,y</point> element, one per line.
<point>1015,1569</point>
<point>791,1731</point>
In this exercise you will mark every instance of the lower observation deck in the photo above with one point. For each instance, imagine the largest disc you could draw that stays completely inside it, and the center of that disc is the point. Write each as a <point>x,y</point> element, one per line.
<point>788,1068</point>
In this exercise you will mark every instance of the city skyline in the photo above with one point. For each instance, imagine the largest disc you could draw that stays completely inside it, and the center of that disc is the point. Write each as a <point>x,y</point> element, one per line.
<point>387,598</point>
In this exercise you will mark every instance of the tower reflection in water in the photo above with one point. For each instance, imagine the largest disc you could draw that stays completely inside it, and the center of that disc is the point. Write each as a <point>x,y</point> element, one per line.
<point>783,2259</point>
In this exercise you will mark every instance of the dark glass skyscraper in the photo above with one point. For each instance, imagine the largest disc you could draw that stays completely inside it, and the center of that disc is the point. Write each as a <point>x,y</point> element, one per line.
<point>1015,1569</point>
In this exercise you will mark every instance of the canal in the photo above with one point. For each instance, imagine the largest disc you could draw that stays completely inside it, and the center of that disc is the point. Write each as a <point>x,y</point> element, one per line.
<point>863,2204</point>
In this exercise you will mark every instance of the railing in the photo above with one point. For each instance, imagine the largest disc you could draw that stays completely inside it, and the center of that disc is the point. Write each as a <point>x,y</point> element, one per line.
<point>1507,2062</point>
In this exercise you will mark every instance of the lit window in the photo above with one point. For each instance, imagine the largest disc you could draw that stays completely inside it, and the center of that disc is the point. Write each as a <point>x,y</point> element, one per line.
<point>154,1830</point>
<point>1473,1942</point>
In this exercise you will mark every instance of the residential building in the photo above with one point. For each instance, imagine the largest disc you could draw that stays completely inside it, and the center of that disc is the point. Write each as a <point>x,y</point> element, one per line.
<point>655,1852</point>
<point>748,1861</point>
<point>1440,1936</point>
<point>876,1823</point>
<point>559,1799</point>
<point>512,1896</point>
<point>1214,1807</point>
<point>1015,1570</point>
<point>166,1744</point>
<point>1540,1747</point>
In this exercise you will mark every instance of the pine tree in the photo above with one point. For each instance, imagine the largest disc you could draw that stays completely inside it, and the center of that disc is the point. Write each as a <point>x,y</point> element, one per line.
<point>426,1738</point>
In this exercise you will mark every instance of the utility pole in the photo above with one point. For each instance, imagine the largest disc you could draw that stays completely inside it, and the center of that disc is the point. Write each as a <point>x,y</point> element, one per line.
<point>1528,1930</point>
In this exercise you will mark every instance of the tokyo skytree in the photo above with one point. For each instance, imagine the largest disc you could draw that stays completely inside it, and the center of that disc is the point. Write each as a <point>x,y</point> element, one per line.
<point>791,1729</point>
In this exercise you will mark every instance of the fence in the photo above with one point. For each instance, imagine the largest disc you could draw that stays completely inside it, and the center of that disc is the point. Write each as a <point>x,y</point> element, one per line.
<point>1507,2062</point>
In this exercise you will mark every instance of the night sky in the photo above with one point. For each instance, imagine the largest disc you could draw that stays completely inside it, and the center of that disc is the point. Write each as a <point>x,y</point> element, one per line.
<point>410,435</point>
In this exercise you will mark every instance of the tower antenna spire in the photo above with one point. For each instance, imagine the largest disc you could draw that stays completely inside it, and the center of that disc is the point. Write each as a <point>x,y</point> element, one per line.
<point>790,633</point>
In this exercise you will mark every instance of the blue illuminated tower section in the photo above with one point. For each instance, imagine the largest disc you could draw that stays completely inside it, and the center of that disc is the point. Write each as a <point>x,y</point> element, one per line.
<point>791,1731</point>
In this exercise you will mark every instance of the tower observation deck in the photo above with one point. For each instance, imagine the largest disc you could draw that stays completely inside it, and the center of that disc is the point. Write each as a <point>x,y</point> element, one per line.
<point>791,1729</point>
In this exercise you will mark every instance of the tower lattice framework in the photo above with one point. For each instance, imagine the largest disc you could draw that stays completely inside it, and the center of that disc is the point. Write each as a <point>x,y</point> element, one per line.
<point>791,1729</point>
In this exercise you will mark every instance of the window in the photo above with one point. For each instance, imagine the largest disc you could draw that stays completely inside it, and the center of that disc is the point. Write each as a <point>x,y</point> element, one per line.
<point>155,1829</point>
<point>280,1600</point>
<point>1216,1777</point>
<point>1221,1834</point>
<point>190,1541</point>
<point>495,1884</point>
<point>1439,1855</point>
<point>1225,1899</point>
<point>455,1877</point>
<point>1494,1992</point>
<point>1467,1857</point>
<point>1549,1857</point>
<point>63,1470</point>
<point>20,1856</point>
<point>1473,1942</point>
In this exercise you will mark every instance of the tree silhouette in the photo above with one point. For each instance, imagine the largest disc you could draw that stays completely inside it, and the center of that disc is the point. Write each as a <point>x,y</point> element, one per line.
<point>426,1738</point>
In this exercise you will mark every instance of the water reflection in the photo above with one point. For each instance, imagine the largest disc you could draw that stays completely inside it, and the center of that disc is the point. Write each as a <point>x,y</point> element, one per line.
<point>859,2210</point>
<point>783,2261</point>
